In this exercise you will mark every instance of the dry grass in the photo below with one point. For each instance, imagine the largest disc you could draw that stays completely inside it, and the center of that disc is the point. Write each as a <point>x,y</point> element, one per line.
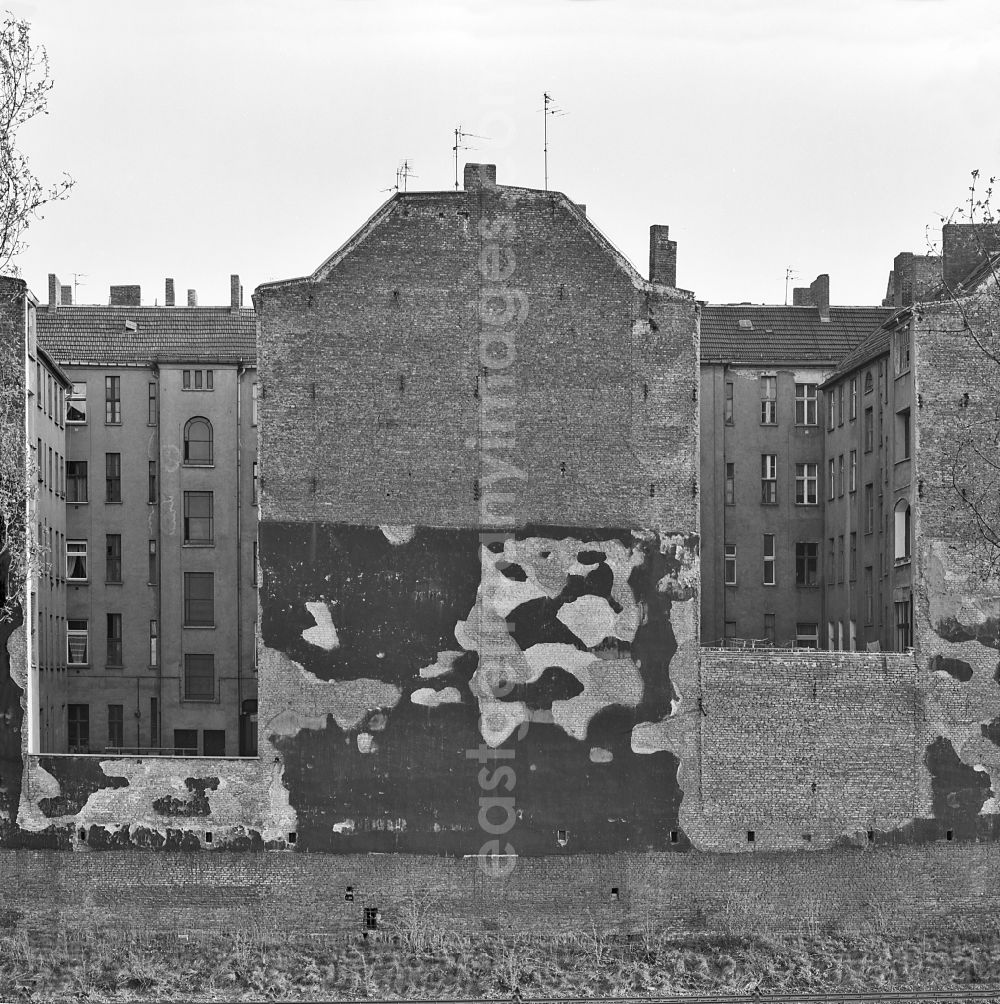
<point>252,964</point>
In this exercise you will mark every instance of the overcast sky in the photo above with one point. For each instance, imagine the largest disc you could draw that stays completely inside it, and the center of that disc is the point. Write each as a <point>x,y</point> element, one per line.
<point>254,137</point>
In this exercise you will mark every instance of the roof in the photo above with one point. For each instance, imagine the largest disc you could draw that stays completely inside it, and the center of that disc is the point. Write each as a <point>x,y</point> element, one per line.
<point>82,334</point>
<point>771,334</point>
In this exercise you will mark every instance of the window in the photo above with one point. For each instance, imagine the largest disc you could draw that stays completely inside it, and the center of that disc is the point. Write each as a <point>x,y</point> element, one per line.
<point>904,625</point>
<point>728,415</point>
<point>153,488</point>
<point>76,560</point>
<point>197,379</point>
<point>213,742</point>
<point>853,635</point>
<point>805,404</point>
<point>840,559</point>
<point>154,653</point>
<point>840,404</point>
<point>199,599</point>
<point>730,484</point>
<point>186,741</point>
<point>76,480</point>
<point>854,557</point>
<point>854,398</point>
<point>154,571</point>
<point>114,657</point>
<point>203,379</point>
<point>806,484</point>
<point>769,577</point>
<point>831,637</point>
<point>769,479</point>
<point>869,508</point>
<point>116,726</point>
<point>198,518</point>
<point>840,475</point>
<point>40,457</point>
<point>62,478</point>
<point>869,598</point>
<point>829,409</point>
<point>852,469</point>
<point>78,727</point>
<point>113,477</point>
<point>186,380</point>
<point>868,382</point>
<point>76,642</point>
<point>730,564</point>
<point>806,563</point>
<point>903,434</point>
<point>831,484</point>
<point>768,400</point>
<point>113,552</point>
<point>769,628</point>
<point>253,570</point>
<point>807,635</point>
<point>151,418</point>
<point>902,345</point>
<point>830,567</point>
<point>113,400</point>
<point>38,384</point>
<point>76,405</point>
<point>869,430</point>
<point>199,677</point>
<point>154,722</point>
<point>198,441</point>
<point>902,530</point>
<point>254,497</point>
<point>253,407</point>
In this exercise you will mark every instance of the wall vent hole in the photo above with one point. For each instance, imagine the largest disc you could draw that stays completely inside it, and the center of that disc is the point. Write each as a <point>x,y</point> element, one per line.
<point>871,836</point>
<point>807,837</point>
<point>292,837</point>
<point>562,836</point>
<point>674,836</point>
<point>371,918</point>
<point>82,836</point>
<point>949,835</point>
<point>614,892</point>
<point>208,836</point>
<point>349,895</point>
<point>751,836</point>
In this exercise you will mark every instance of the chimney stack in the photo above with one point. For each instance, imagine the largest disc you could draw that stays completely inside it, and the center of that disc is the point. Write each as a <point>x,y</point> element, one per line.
<point>126,296</point>
<point>816,295</point>
<point>168,293</point>
<point>662,256</point>
<point>66,295</point>
<point>192,298</point>
<point>964,247</point>
<point>480,176</point>
<point>54,291</point>
<point>235,293</point>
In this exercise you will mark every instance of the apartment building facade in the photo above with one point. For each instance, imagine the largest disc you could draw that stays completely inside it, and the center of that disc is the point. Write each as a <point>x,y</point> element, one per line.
<point>160,540</point>
<point>762,463</point>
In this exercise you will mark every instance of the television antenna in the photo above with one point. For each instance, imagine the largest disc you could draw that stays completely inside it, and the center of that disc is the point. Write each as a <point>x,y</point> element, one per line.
<point>548,108</point>
<point>403,172</point>
<point>77,276</point>
<point>460,134</point>
<point>790,274</point>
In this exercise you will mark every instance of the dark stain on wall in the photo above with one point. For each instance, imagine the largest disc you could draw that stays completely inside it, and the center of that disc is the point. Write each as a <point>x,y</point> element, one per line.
<point>78,779</point>
<point>958,790</point>
<point>11,765</point>
<point>195,805</point>
<point>958,668</point>
<point>987,633</point>
<point>992,731</point>
<point>555,684</point>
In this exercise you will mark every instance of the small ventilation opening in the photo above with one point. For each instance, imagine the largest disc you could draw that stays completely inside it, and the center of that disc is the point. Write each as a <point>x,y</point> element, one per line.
<point>349,895</point>
<point>208,836</point>
<point>292,837</point>
<point>807,837</point>
<point>871,836</point>
<point>674,836</point>
<point>614,892</point>
<point>562,836</point>
<point>949,835</point>
<point>82,836</point>
<point>371,918</point>
<point>751,836</point>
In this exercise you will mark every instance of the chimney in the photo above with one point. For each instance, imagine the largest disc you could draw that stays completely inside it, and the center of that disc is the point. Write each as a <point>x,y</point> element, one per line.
<point>54,290</point>
<point>168,294</point>
<point>66,297</point>
<point>480,176</point>
<point>235,293</point>
<point>125,296</point>
<point>192,298</point>
<point>817,295</point>
<point>965,246</point>
<point>662,256</point>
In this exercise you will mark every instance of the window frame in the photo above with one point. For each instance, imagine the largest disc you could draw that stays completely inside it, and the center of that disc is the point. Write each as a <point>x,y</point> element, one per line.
<point>73,547</point>
<point>806,477</point>
<point>114,653</point>
<point>199,610</point>
<point>768,479</point>
<point>770,562</point>
<point>768,399</point>
<point>113,558</point>
<point>113,478</point>
<point>78,480</point>
<point>112,399</point>
<point>204,693</point>
<point>806,404</point>
<point>198,462</point>
<point>806,564</point>
<point>71,398</point>
<point>188,520</point>
<point>77,633</point>
<point>729,564</point>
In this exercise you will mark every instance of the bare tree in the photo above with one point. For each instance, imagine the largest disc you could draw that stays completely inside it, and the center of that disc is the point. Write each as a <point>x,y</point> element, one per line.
<point>24,90</point>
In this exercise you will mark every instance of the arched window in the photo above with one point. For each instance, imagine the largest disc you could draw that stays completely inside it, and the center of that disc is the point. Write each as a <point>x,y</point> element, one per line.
<point>903,530</point>
<point>868,382</point>
<point>198,441</point>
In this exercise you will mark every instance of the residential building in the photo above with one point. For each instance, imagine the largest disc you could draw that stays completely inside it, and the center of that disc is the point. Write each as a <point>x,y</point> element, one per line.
<point>764,483</point>
<point>160,538</point>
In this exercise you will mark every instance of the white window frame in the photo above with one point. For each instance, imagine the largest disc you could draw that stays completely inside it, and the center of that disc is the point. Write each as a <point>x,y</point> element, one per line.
<point>769,478</point>
<point>77,633</point>
<point>807,484</point>
<point>770,578</point>
<point>78,549</point>
<point>805,403</point>
<point>729,564</point>
<point>768,400</point>
<point>77,393</point>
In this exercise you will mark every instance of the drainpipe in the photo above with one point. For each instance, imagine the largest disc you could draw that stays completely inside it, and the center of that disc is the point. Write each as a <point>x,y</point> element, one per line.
<point>240,370</point>
<point>158,537</point>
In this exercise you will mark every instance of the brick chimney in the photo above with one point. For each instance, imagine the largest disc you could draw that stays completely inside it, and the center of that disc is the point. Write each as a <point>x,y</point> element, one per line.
<point>480,176</point>
<point>912,279</point>
<point>66,295</point>
<point>965,246</point>
<point>235,293</point>
<point>126,296</point>
<point>192,298</point>
<point>168,293</point>
<point>54,291</point>
<point>662,256</point>
<point>817,295</point>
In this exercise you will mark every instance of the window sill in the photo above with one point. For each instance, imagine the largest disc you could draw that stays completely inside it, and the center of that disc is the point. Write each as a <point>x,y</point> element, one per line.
<point>113,582</point>
<point>802,585</point>
<point>85,502</point>
<point>807,504</point>
<point>901,562</point>
<point>78,582</point>
<point>78,665</point>
<point>113,424</point>
<point>113,502</point>
<point>188,463</point>
<point>199,627</point>
<point>198,543</point>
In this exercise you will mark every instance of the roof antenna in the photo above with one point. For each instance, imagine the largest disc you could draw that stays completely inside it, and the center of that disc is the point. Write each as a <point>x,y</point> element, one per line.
<point>460,134</point>
<point>790,274</point>
<point>77,276</point>
<point>549,108</point>
<point>402,173</point>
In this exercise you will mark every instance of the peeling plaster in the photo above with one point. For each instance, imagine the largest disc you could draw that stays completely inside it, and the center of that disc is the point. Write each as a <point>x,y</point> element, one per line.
<point>324,634</point>
<point>433,698</point>
<point>600,755</point>
<point>444,664</point>
<point>399,534</point>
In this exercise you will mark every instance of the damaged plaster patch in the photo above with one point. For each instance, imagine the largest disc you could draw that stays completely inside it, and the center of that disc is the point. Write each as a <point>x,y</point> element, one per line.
<point>347,826</point>
<point>397,535</point>
<point>444,664</point>
<point>430,698</point>
<point>366,742</point>
<point>590,618</point>
<point>600,755</point>
<point>323,635</point>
